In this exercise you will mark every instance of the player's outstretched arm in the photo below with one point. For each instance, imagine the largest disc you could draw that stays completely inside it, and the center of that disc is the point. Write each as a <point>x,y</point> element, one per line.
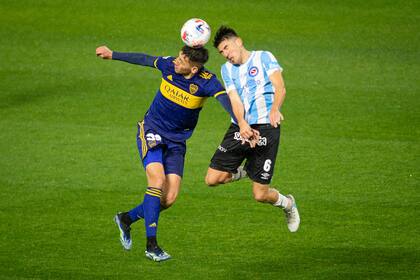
<point>133,58</point>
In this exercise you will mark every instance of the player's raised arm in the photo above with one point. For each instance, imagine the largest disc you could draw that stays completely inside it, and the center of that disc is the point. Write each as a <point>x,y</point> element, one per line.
<point>133,58</point>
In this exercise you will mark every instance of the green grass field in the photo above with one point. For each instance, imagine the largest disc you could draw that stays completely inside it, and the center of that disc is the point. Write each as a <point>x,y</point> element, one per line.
<point>350,149</point>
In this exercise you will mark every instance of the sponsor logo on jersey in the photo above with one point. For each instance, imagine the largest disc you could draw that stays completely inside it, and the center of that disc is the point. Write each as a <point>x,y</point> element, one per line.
<point>253,71</point>
<point>180,96</point>
<point>153,225</point>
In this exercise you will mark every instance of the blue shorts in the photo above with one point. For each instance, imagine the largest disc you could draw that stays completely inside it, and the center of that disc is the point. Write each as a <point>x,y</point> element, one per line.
<point>155,148</point>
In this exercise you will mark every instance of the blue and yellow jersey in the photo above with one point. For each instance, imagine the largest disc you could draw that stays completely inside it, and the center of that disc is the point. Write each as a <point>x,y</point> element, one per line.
<point>178,102</point>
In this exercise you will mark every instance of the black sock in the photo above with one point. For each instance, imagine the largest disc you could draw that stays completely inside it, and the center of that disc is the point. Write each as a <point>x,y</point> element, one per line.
<point>125,218</point>
<point>151,243</point>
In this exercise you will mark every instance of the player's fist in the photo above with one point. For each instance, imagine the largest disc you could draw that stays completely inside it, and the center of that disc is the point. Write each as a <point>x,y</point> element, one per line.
<point>104,52</point>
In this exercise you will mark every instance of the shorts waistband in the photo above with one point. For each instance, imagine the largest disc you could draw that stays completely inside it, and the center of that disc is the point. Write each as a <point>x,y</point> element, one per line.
<point>261,125</point>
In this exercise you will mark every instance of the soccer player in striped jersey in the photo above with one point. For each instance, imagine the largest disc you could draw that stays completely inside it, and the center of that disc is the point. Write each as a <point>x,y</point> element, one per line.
<point>254,83</point>
<point>161,137</point>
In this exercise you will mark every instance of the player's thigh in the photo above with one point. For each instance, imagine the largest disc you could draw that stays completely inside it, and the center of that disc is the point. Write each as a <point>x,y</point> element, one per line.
<point>261,160</point>
<point>173,160</point>
<point>155,174</point>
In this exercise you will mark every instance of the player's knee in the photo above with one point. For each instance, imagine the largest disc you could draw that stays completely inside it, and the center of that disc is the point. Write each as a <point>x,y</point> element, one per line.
<point>211,181</point>
<point>157,181</point>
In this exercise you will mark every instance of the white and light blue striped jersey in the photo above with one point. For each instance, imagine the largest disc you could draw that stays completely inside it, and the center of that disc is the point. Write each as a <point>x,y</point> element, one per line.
<point>251,81</point>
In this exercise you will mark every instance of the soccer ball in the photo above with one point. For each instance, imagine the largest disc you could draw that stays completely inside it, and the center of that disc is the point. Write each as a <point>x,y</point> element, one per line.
<point>195,33</point>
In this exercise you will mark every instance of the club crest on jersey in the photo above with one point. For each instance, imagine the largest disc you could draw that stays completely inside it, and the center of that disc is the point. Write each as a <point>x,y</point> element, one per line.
<point>253,71</point>
<point>193,88</point>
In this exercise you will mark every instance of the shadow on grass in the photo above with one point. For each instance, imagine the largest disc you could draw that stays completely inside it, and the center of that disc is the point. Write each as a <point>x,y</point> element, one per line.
<point>332,263</point>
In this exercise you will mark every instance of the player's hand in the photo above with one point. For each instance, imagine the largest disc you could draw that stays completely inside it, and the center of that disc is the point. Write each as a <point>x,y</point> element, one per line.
<point>253,141</point>
<point>275,117</point>
<point>246,131</point>
<point>104,52</point>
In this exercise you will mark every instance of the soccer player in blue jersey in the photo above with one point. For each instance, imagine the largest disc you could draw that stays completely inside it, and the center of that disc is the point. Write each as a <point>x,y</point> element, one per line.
<point>254,83</point>
<point>162,134</point>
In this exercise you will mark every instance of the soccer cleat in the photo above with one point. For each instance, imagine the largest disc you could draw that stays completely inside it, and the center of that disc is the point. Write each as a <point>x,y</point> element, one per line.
<point>292,215</point>
<point>240,173</point>
<point>157,255</point>
<point>124,229</point>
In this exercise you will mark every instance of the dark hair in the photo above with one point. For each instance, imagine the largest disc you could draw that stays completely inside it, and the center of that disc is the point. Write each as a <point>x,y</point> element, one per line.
<point>223,33</point>
<point>196,55</point>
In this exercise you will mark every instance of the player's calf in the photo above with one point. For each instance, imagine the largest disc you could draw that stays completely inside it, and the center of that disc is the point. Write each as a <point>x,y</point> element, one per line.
<point>263,193</point>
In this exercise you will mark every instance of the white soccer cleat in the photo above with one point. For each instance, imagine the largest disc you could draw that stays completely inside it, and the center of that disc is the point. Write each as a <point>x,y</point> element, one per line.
<point>124,229</point>
<point>157,255</point>
<point>292,215</point>
<point>240,173</point>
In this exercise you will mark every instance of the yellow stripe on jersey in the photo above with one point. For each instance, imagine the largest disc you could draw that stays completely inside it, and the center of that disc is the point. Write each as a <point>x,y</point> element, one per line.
<point>154,63</point>
<point>143,140</point>
<point>181,97</point>
<point>219,93</point>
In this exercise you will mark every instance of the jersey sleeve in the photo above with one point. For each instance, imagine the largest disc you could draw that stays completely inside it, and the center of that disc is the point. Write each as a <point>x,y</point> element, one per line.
<point>135,58</point>
<point>164,63</point>
<point>227,78</point>
<point>270,63</point>
<point>215,88</point>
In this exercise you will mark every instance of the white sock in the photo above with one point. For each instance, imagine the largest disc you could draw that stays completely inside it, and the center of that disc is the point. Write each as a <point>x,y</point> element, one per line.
<point>236,176</point>
<point>240,173</point>
<point>282,201</point>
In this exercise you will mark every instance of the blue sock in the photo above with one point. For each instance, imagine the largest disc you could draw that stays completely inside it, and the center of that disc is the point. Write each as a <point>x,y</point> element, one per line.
<point>136,213</point>
<point>151,208</point>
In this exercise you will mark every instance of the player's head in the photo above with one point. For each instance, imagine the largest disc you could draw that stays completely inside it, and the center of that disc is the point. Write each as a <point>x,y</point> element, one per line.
<point>229,44</point>
<point>190,60</point>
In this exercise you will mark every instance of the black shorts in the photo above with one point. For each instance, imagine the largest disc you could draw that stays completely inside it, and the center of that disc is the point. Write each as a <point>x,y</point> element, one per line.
<point>260,160</point>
